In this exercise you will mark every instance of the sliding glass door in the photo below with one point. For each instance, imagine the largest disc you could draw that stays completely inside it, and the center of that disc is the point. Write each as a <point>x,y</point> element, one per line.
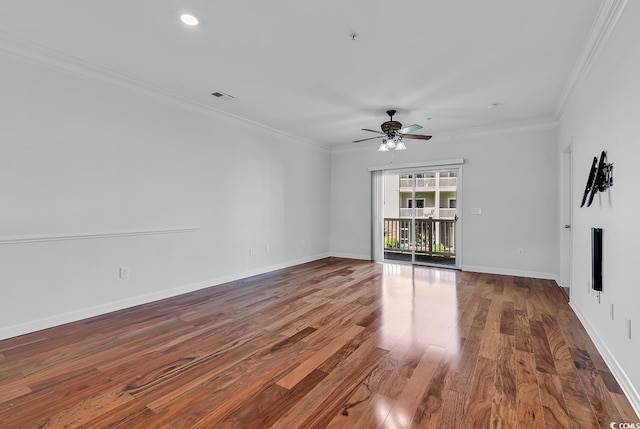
<point>420,216</point>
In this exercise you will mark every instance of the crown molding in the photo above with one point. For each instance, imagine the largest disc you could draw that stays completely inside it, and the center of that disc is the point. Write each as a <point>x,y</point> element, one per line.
<point>602,27</point>
<point>12,45</point>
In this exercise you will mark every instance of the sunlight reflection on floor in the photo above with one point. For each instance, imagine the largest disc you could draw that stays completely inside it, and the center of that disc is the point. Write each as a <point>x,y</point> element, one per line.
<point>419,306</point>
<point>419,309</point>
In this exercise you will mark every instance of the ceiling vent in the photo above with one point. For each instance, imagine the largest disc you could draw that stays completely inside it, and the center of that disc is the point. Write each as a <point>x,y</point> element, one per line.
<point>222,96</point>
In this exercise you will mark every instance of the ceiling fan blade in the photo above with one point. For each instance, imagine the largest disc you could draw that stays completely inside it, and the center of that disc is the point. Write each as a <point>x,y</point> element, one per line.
<point>364,140</point>
<point>415,136</point>
<point>410,128</point>
<point>374,131</point>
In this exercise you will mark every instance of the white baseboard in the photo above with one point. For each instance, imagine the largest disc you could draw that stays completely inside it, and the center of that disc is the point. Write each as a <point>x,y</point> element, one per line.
<point>620,375</point>
<point>510,272</point>
<point>351,256</point>
<point>76,315</point>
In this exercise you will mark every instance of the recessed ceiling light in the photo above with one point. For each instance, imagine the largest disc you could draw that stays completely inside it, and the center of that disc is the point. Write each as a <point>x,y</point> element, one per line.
<point>189,19</point>
<point>494,105</point>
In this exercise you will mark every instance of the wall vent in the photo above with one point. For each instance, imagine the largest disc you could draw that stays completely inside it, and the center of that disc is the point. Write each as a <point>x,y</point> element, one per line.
<point>222,96</point>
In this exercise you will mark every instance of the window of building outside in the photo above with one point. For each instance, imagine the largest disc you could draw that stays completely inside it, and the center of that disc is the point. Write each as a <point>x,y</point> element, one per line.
<point>419,203</point>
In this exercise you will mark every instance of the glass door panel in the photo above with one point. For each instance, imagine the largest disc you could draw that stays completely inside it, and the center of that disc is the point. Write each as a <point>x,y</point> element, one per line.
<point>420,214</point>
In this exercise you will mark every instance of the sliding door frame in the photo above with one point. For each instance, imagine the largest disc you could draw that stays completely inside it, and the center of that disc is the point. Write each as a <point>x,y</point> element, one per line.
<point>378,174</point>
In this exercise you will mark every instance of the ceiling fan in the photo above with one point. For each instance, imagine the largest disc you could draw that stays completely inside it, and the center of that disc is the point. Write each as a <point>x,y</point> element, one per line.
<point>392,134</point>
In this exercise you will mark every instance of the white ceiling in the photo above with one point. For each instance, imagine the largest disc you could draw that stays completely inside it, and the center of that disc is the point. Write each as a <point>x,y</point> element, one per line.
<point>291,65</point>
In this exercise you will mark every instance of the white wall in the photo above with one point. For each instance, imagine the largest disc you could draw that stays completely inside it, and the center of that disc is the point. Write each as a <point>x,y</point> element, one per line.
<point>604,115</point>
<point>81,157</point>
<point>510,175</point>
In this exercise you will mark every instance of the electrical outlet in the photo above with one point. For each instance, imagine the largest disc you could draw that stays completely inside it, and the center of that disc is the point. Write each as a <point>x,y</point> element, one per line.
<point>124,272</point>
<point>251,252</point>
<point>520,252</point>
<point>627,327</point>
<point>266,248</point>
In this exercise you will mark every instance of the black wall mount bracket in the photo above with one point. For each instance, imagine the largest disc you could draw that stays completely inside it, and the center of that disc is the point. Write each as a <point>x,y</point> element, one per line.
<point>600,179</point>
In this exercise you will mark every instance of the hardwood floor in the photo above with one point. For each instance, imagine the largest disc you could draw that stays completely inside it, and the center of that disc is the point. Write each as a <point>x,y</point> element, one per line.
<point>335,343</point>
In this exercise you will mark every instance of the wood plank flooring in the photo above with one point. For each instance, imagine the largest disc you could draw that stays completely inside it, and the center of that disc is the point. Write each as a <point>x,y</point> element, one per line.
<point>336,343</point>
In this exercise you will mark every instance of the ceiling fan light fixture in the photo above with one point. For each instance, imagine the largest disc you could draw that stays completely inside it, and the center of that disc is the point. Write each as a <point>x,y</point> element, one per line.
<point>392,134</point>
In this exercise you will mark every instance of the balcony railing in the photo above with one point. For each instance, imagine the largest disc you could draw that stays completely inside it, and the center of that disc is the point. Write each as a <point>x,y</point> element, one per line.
<point>432,237</point>
<point>447,213</point>
<point>421,182</point>
<point>448,182</point>
<point>418,212</point>
<point>426,212</point>
<point>428,182</point>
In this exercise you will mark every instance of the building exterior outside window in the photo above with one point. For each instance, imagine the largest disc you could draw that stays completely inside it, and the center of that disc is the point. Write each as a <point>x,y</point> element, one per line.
<point>435,195</point>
